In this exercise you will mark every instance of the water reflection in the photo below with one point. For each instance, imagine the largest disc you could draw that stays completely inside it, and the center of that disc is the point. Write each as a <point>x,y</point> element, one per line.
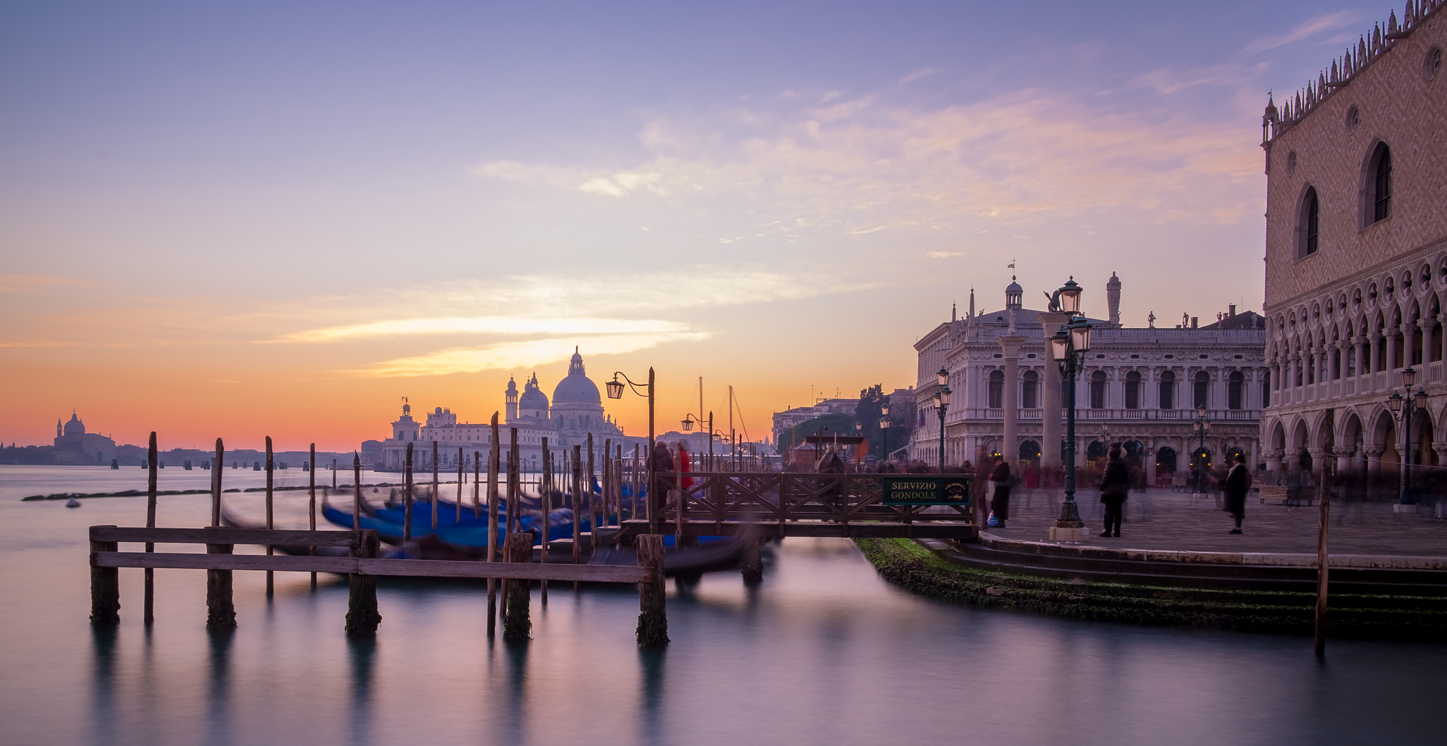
<point>651,665</point>
<point>514,726</point>
<point>363,651</point>
<point>103,684</point>
<point>218,711</point>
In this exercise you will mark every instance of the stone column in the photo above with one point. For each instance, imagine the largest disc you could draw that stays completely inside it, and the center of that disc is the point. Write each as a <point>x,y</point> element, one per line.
<point>1391,351</point>
<point>1318,459</point>
<point>1009,448</point>
<point>1374,459</point>
<point>1273,460</point>
<point>1050,411</point>
<point>1443,318</point>
<point>1149,456</point>
<point>1409,343</point>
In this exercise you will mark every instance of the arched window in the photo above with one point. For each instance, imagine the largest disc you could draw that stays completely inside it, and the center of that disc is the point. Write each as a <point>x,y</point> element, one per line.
<point>1266,389</point>
<point>1097,390</point>
<point>1233,390</point>
<point>1202,387</point>
<point>1132,390</point>
<point>1168,390</point>
<point>1381,183</point>
<point>1308,224</point>
<point>1029,389</point>
<point>997,389</point>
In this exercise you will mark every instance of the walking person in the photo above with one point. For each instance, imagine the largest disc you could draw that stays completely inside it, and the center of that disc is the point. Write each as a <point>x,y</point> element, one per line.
<point>1238,483</point>
<point>1000,503</point>
<point>1114,486</point>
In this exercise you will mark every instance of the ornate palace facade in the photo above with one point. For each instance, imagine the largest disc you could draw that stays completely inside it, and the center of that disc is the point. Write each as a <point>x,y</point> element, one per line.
<point>1139,387</point>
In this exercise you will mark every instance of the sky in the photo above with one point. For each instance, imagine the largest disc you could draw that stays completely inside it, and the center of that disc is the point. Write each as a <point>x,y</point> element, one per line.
<point>279,219</point>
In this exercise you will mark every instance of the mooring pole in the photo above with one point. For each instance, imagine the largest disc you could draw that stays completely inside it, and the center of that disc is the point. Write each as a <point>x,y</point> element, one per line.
<point>1323,492</point>
<point>216,488</point>
<point>312,503</point>
<point>434,486</point>
<point>356,491</point>
<point>149,614</point>
<point>476,485</point>
<point>652,612</point>
<point>362,615</point>
<point>220,611</point>
<point>516,624</point>
<point>460,459</point>
<point>492,467</point>
<point>105,587</point>
<point>269,525</point>
<point>407,504</point>
<point>545,486</point>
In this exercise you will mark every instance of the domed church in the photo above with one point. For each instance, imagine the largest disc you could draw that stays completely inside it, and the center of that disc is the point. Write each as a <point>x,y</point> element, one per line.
<point>575,412</point>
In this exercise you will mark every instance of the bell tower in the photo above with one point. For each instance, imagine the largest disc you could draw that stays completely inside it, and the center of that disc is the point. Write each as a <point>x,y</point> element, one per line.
<point>512,399</point>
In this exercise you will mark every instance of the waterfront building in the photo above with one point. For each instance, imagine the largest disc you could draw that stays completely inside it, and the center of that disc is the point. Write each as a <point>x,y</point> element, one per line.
<point>575,413</point>
<point>799,415</point>
<point>1356,251</point>
<point>73,445</point>
<point>1140,387</point>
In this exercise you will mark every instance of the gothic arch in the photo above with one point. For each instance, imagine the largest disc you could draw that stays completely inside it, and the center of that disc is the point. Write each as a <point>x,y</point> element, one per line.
<point>1375,195</point>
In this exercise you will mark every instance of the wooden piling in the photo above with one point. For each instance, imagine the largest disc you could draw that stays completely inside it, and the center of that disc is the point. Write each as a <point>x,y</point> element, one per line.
<point>220,611</point>
<point>678,499</point>
<point>607,480</point>
<point>356,492</point>
<point>633,509</point>
<point>592,500</point>
<point>459,485</point>
<point>652,612</point>
<point>149,614</point>
<point>270,582</point>
<point>312,504</point>
<point>577,507</point>
<point>362,615</point>
<point>753,564</point>
<point>516,624</point>
<point>334,474</point>
<point>545,486</point>
<point>476,485</point>
<point>434,486</point>
<point>492,467</point>
<point>514,484</point>
<point>216,487</point>
<point>407,498</point>
<point>105,587</point>
<point>1323,494</point>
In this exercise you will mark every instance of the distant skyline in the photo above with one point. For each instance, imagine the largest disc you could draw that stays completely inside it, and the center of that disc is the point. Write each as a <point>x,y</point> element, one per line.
<point>280,219</point>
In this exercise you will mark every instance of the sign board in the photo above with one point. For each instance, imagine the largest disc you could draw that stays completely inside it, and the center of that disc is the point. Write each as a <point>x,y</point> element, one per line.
<point>928,489</point>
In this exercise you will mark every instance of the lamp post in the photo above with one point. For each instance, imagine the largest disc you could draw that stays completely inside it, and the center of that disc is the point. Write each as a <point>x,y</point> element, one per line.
<point>688,421</point>
<point>884,425</point>
<point>615,391</point>
<point>1402,408</point>
<point>1068,348</point>
<point>1202,425</point>
<point>942,402</point>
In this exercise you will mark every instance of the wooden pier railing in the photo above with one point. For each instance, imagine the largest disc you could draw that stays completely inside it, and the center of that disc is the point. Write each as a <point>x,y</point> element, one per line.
<point>363,566</point>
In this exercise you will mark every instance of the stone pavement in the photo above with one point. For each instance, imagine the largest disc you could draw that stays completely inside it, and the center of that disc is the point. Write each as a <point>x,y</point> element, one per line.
<point>1161,519</point>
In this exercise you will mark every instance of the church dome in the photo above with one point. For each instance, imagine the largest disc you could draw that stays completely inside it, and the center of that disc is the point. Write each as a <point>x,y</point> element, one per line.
<point>576,388</point>
<point>533,397</point>
<point>75,426</point>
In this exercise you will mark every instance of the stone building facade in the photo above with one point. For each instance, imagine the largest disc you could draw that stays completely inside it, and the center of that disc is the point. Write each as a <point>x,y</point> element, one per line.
<point>73,445</point>
<point>575,413</point>
<point>1140,387</point>
<point>1356,251</point>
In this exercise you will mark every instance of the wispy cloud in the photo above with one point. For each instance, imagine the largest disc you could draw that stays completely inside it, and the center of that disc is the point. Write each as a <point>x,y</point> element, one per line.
<point>512,355</point>
<point>35,283</point>
<point>917,74</point>
<point>509,325</point>
<point>943,254</point>
<point>1309,28</point>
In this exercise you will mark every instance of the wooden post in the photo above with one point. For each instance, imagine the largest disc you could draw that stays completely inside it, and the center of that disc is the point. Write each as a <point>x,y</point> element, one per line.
<point>216,488</point>
<point>545,486</point>
<point>633,509</point>
<point>459,485</point>
<point>407,498</point>
<point>592,500</point>
<point>476,485</point>
<point>577,506</point>
<point>434,486</point>
<point>652,613</point>
<point>220,611</point>
<point>678,499</point>
<point>753,565</point>
<point>362,615</point>
<point>492,467</point>
<point>356,491</point>
<point>312,504</point>
<point>105,587</point>
<point>516,625</point>
<point>514,484</point>
<point>607,485</point>
<point>334,474</point>
<point>1323,493</point>
<point>270,587</point>
<point>149,614</point>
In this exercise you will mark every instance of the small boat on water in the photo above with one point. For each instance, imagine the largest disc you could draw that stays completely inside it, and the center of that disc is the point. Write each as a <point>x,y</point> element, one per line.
<point>72,503</point>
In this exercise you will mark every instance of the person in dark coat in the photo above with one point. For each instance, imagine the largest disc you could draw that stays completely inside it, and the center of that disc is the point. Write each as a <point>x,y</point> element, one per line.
<point>1114,486</point>
<point>1238,483</point>
<point>1000,503</point>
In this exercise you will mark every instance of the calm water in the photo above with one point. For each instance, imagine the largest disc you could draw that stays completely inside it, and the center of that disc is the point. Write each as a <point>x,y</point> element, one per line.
<point>823,652</point>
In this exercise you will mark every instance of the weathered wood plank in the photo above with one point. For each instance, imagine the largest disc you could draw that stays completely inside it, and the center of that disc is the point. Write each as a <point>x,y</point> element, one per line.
<point>389,567</point>
<point>278,537</point>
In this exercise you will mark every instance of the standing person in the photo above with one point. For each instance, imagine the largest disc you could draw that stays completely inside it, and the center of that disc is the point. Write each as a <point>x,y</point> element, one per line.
<point>684,465</point>
<point>662,468</point>
<point>1238,483</point>
<point>1114,486</point>
<point>1000,504</point>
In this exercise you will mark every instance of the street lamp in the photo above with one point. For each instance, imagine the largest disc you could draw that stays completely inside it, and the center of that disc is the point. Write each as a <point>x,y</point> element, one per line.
<point>884,425</point>
<point>1402,408</point>
<point>1067,349</point>
<point>615,391</point>
<point>688,421</point>
<point>942,402</point>
<point>1202,425</point>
